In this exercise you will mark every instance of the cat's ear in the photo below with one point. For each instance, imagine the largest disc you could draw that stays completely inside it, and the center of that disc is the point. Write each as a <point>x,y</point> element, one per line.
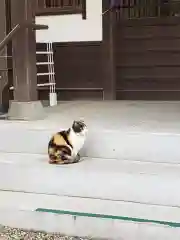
<point>74,122</point>
<point>81,119</point>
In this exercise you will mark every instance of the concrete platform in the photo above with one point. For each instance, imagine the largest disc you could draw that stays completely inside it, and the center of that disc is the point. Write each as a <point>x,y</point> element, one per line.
<point>130,172</point>
<point>141,131</point>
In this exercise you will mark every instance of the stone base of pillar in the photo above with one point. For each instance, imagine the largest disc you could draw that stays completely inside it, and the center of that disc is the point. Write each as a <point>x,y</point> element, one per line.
<point>4,109</point>
<point>26,111</point>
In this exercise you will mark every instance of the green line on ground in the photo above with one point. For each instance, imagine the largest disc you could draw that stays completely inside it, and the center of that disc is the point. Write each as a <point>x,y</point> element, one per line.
<point>113,217</point>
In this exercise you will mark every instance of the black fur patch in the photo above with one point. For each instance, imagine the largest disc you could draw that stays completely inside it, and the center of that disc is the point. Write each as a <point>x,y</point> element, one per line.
<point>65,136</point>
<point>78,126</point>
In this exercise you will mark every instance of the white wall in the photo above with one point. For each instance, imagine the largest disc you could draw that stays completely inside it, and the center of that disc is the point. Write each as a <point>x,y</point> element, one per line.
<point>69,28</point>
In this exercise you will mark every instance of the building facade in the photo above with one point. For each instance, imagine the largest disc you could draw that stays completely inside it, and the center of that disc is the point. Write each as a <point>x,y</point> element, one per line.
<point>131,52</point>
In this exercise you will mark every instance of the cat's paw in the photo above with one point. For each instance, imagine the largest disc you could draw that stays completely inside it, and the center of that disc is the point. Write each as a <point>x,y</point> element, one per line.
<point>77,158</point>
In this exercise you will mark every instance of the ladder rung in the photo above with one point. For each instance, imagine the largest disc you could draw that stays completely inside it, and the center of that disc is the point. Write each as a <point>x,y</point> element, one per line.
<point>44,63</point>
<point>45,84</point>
<point>5,56</point>
<point>39,85</point>
<point>45,74</point>
<point>44,52</point>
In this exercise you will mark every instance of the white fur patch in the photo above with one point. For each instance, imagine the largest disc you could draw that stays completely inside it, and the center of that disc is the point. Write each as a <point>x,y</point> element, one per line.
<point>77,140</point>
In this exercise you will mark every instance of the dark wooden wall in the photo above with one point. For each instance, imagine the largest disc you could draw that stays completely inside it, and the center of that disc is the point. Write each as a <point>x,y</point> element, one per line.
<point>148,59</point>
<point>78,70</point>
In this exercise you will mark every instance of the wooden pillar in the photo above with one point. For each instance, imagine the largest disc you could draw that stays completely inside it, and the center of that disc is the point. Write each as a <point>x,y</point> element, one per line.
<point>24,52</point>
<point>4,86</point>
<point>25,105</point>
<point>108,67</point>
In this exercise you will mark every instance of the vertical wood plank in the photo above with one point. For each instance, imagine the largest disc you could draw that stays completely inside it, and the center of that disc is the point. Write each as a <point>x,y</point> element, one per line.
<point>108,52</point>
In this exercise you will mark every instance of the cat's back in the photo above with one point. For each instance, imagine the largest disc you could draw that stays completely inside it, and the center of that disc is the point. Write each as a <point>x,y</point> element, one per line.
<point>60,139</point>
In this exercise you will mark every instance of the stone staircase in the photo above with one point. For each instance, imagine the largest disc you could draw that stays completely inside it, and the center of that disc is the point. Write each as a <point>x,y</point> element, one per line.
<point>126,187</point>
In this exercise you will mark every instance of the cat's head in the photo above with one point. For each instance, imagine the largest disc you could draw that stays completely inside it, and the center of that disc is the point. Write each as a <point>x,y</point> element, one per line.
<point>79,127</point>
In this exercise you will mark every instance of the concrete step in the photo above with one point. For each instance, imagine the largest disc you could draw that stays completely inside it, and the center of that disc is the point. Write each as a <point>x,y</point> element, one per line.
<point>116,199</point>
<point>117,143</point>
<point>87,217</point>
<point>115,180</point>
<point>71,225</point>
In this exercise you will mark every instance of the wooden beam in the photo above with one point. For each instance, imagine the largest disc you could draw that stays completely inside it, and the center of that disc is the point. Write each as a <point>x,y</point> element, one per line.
<point>84,10</point>
<point>39,26</point>
<point>12,33</point>
<point>58,11</point>
<point>9,37</point>
<point>61,8</point>
<point>108,66</point>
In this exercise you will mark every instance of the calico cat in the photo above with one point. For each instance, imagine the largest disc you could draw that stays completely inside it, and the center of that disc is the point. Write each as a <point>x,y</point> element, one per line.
<point>64,146</point>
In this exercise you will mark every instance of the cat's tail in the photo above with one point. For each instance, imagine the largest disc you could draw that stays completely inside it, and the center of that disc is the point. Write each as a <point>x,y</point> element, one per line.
<point>61,156</point>
<point>67,159</point>
<point>61,159</point>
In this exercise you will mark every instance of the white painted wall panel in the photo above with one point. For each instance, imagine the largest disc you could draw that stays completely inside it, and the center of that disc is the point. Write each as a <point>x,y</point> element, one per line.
<point>72,28</point>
